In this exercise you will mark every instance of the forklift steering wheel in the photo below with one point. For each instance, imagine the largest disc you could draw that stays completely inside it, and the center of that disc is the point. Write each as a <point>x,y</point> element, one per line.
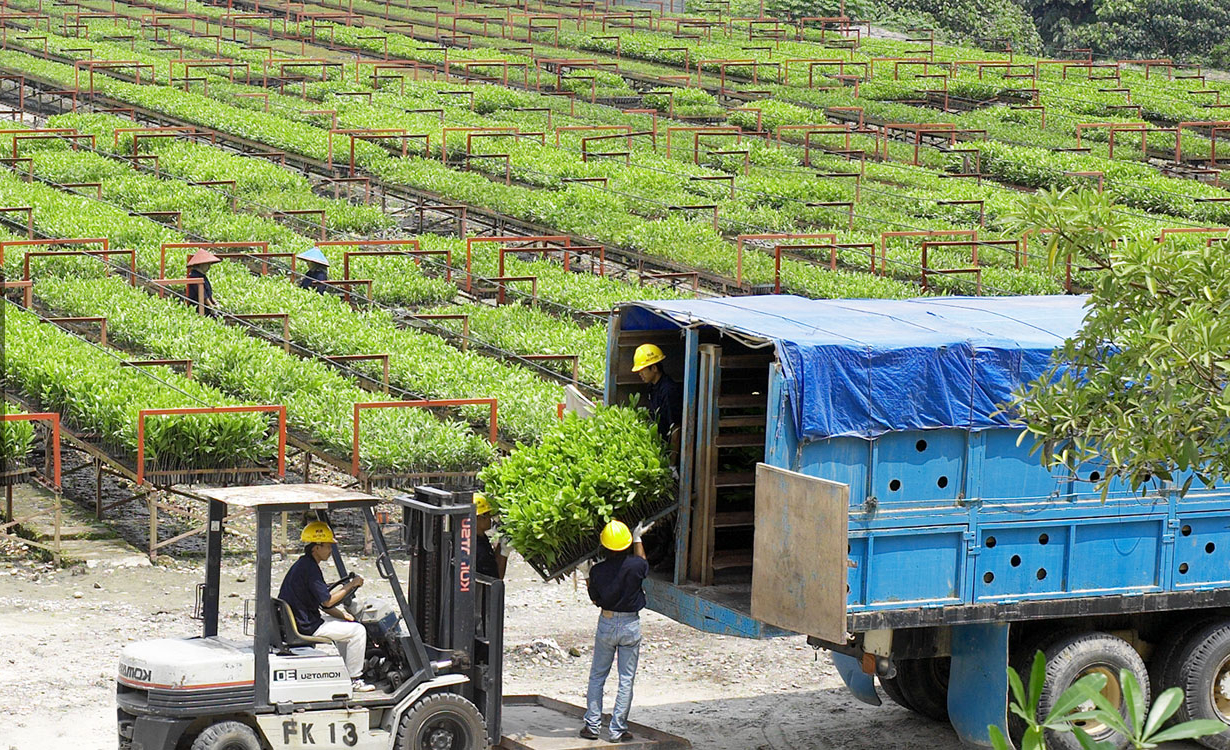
<point>343,580</point>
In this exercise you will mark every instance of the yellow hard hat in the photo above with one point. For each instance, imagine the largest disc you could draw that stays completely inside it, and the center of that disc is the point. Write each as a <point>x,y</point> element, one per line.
<point>482,506</point>
<point>616,536</point>
<point>317,532</point>
<point>646,355</point>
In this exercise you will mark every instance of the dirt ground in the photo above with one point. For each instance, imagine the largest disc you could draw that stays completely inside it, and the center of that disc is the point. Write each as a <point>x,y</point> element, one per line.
<point>62,632</point>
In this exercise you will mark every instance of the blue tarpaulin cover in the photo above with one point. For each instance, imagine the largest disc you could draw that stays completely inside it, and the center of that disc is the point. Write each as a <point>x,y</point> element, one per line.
<point>865,367</point>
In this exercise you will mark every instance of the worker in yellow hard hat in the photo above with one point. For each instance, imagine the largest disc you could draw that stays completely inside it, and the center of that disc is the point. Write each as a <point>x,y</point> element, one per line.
<point>615,587</point>
<point>489,559</point>
<point>665,395</point>
<point>317,609</point>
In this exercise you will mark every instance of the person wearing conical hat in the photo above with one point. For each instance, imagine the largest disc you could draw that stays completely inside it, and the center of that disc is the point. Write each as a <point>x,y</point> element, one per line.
<point>198,268</point>
<point>317,271</point>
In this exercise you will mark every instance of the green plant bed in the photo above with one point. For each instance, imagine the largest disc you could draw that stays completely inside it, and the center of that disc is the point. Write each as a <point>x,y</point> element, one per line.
<point>554,497</point>
<point>16,440</point>
<point>318,400</point>
<point>94,391</point>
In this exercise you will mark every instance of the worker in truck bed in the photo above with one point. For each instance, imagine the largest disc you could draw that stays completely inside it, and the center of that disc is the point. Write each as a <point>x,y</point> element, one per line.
<point>665,395</point>
<point>615,586</point>
<point>666,410</point>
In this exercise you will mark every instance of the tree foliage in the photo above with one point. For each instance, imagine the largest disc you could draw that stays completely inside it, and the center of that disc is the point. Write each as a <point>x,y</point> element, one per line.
<point>1141,389</point>
<point>1190,30</point>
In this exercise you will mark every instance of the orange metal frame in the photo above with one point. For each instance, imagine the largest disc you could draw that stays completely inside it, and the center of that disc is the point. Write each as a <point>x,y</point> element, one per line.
<point>492,435</point>
<point>142,414</point>
<point>262,249</point>
<point>54,420</point>
<point>563,239</point>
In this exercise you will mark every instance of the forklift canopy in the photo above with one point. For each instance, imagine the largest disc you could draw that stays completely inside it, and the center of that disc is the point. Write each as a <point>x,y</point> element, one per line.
<point>860,368</point>
<point>279,497</point>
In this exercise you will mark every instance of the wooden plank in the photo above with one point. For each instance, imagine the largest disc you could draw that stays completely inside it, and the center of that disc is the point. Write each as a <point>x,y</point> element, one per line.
<point>800,572</point>
<point>733,519</point>
<point>746,361</point>
<point>700,562</point>
<point>742,400</point>
<point>740,440</point>
<point>736,479</point>
<point>751,420</point>
<point>733,558</point>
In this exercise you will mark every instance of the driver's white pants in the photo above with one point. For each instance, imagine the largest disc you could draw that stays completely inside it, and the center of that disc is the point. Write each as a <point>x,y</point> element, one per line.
<point>350,639</point>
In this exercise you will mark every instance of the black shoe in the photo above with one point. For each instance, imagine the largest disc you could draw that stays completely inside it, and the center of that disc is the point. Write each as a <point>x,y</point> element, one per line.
<point>588,734</point>
<point>625,737</point>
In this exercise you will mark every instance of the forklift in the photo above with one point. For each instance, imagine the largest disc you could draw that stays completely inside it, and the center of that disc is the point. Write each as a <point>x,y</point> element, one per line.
<point>434,653</point>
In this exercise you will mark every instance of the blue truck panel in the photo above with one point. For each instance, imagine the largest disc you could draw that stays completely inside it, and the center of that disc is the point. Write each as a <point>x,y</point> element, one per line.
<point>953,521</point>
<point>950,516</point>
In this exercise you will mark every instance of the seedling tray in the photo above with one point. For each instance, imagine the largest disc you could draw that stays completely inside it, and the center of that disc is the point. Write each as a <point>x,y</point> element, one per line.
<point>574,555</point>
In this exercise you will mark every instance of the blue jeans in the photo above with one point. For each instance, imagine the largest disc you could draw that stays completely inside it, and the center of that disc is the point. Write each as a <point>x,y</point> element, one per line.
<point>617,636</point>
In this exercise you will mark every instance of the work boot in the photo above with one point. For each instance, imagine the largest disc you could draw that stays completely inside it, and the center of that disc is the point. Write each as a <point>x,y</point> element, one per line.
<point>359,686</point>
<point>588,734</point>
<point>625,737</point>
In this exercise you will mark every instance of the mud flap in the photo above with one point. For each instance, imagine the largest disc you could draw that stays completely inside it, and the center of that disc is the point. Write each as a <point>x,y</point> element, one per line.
<point>978,682</point>
<point>861,684</point>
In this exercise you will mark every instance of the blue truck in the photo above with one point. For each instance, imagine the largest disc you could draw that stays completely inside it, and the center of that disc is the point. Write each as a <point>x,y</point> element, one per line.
<point>847,473</point>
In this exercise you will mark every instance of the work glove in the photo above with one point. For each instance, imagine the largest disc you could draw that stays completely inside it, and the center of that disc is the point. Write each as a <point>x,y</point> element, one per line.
<point>641,528</point>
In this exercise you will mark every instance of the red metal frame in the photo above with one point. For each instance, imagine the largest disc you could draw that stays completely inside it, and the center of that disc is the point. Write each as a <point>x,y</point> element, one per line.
<point>54,419</point>
<point>543,238</point>
<point>142,414</point>
<point>263,249</point>
<point>492,435</point>
<point>830,236</point>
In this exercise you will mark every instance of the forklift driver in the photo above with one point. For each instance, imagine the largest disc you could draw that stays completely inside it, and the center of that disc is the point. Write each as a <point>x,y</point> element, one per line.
<point>305,591</point>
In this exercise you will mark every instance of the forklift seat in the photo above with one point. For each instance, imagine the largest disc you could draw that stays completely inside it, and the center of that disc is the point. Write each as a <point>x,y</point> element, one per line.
<point>288,631</point>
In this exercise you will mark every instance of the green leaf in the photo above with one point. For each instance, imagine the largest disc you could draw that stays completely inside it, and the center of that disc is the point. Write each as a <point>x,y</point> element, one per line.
<point>1163,708</point>
<point>1189,730</point>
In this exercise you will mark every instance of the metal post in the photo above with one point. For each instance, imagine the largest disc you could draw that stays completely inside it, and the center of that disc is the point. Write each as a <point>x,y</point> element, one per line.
<point>151,501</point>
<point>98,489</point>
<point>264,610</point>
<point>213,567</point>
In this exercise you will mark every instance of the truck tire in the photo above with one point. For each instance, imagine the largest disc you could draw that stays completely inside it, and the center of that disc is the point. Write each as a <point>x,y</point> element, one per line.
<point>892,689</point>
<point>1203,672</point>
<point>1022,660</point>
<point>227,735</point>
<point>924,685</point>
<point>1072,657</point>
<point>1164,664</point>
<point>442,721</point>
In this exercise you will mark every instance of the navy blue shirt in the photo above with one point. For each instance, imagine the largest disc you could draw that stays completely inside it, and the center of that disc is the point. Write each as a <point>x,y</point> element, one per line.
<point>615,584</point>
<point>484,557</point>
<point>315,274</point>
<point>196,290</point>
<point>304,590</point>
<point>666,405</point>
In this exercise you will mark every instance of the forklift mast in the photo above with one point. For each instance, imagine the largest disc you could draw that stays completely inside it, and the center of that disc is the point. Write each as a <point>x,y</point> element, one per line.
<point>459,613</point>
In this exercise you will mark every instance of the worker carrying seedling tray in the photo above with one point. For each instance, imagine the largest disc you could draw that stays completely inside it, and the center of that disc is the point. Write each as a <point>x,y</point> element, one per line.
<point>554,498</point>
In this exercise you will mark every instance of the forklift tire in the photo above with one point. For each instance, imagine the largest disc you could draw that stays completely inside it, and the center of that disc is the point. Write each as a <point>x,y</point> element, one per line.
<point>892,689</point>
<point>1075,656</point>
<point>227,735</point>
<point>1203,668</point>
<point>442,721</point>
<point>924,685</point>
